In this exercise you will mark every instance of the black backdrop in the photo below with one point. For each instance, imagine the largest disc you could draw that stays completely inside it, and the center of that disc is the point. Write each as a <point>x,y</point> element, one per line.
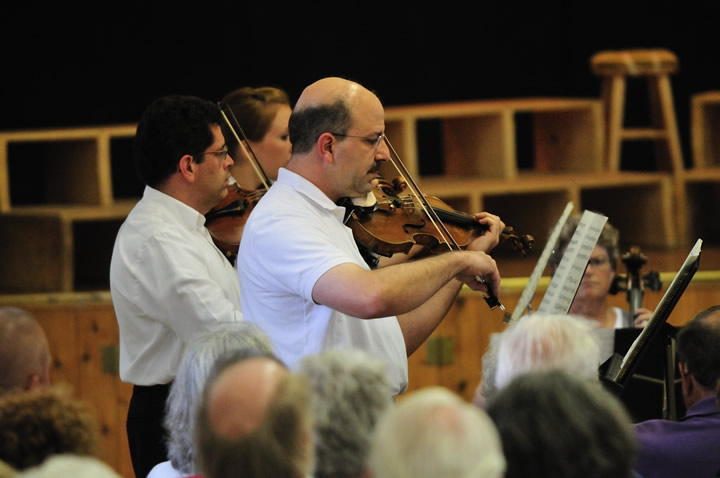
<point>67,65</point>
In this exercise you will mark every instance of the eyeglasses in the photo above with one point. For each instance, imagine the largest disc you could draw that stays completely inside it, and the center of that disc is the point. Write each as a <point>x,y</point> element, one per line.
<point>374,142</point>
<point>598,261</point>
<point>222,154</point>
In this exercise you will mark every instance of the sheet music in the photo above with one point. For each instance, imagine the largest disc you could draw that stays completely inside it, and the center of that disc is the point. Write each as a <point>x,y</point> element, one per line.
<point>529,291</point>
<point>564,284</point>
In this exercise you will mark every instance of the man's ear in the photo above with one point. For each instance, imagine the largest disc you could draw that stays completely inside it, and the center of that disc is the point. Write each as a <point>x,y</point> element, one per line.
<point>186,167</point>
<point>33,382</point>
<point>324,145</point>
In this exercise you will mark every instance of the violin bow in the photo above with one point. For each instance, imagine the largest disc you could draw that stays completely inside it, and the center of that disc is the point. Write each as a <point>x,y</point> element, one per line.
<point>245,147</point>
<point>492,301</point>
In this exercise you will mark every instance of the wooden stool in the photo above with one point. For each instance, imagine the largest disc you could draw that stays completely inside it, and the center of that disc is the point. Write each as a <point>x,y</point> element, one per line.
<point>656,65</point>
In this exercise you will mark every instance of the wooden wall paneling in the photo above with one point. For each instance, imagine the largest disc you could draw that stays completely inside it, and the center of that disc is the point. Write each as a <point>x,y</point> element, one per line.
<point>81,336</point>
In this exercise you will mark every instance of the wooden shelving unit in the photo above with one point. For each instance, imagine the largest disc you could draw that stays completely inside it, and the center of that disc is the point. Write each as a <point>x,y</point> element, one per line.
<point>482,167</point>
<point>65,192</point>
<point>63,195</point>
<point>698,188</point>
<point>480,138</point>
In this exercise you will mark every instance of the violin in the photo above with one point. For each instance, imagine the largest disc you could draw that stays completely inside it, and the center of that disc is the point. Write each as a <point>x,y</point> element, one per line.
<point>416,205</point>
<point>396,222</point>
<point>226,221</point>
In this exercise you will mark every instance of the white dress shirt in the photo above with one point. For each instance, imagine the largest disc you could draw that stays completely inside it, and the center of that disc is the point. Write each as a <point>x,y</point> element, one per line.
<point>169,283</point>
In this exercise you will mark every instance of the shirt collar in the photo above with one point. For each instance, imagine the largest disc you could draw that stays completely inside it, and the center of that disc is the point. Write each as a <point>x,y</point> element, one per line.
<point>705,406</point>
<point>186,215</point>
<point>307,189</point>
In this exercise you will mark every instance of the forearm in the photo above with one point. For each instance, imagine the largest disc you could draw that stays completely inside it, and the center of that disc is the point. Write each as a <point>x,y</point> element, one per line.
<point>386,291</point>
<point>408,287</point>
<point>417,325</point>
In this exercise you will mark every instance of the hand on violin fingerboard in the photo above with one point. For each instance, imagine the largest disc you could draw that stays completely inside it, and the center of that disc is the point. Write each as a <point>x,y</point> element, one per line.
<point>487,241</point>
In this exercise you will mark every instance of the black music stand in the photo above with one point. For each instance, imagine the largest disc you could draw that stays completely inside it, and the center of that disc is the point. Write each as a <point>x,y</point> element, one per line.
<point>653,391</point>
<point>621,369</point>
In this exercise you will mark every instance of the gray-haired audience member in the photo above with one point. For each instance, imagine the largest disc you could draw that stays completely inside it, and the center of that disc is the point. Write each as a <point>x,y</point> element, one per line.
<point>556,425</point>
<point>24,351</point>
<point>254,421</point>
<point>540,342</point>
<point>350,390</point>
<point>691,445</point>
<point>241,339</point>
<point>433,433</point>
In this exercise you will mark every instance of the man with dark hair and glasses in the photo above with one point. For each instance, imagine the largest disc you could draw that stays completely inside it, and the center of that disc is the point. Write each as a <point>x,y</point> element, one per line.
<point>168,280</point>
<point>304,280</point>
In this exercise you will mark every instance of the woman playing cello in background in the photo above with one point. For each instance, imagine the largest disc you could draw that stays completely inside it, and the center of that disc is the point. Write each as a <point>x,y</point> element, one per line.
<point>591,299</point>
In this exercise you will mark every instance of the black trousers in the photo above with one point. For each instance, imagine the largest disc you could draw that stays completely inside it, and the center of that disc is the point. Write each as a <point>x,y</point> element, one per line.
<point>146,435</point>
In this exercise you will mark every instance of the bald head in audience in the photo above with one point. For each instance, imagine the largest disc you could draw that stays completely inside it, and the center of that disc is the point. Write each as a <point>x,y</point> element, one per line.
<point>24,351</point>
<point>254,422</point>
<point>433,433</point>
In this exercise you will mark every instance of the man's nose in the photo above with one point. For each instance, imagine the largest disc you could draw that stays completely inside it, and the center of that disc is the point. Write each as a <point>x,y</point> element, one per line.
<point>383,152</point>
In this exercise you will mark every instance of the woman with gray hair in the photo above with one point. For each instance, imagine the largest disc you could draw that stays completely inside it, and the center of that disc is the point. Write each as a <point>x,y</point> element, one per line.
<point>350,390</point>
<point>187,388</point>
<point>591,299</point>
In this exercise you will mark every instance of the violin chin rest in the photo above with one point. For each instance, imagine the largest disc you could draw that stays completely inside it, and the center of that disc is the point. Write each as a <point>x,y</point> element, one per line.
<point>367,201</point>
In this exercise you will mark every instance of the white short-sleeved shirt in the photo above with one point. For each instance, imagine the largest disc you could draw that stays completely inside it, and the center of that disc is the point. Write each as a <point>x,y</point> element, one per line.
<point>293,236</point>
<point>169,283</point>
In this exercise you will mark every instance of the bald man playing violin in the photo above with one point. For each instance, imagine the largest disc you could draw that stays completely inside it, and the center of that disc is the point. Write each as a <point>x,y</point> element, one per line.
<point>303,279</point>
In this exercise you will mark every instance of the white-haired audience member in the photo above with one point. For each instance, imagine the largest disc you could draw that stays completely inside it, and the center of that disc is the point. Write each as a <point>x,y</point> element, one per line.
<point>556,425</point>
<point>539,342</point>
<point>254,421</point>
<point>24,351</point>
<point>350,390</point>
<point>433,433</point>
<point>243,338</point>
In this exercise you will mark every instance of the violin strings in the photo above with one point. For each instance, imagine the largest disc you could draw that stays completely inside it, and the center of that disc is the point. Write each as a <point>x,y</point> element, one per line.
<point>490,298</point>
<point>434,219</point>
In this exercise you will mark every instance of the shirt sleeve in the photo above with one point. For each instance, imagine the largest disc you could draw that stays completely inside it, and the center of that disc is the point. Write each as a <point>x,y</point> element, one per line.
<point>178,284</point>
<point>293,262</point>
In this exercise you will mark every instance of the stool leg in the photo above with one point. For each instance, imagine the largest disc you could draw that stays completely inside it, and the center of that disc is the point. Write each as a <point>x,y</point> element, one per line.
<point>663,161</point>
<point>668,112</point>
<point>615,101</point>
